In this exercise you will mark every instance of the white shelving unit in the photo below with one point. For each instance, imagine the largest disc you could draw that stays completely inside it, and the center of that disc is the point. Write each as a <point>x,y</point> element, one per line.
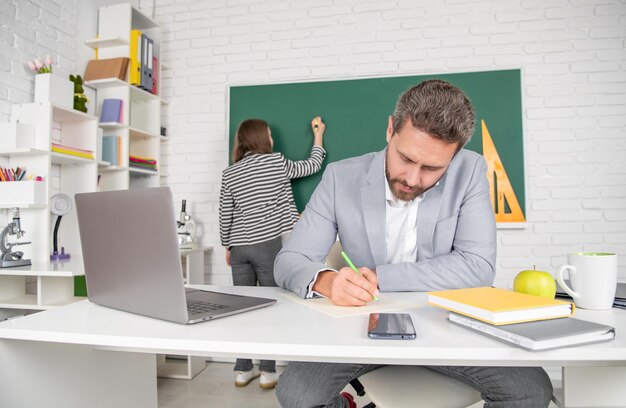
<point>55,285</point>
<point>53,282</point>
<point>139,128</point>
<point>46,284</point>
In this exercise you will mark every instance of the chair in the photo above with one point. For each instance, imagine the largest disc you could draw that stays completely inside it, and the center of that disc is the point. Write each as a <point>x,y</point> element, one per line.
<point>416,387</point>
<point>407,386</point>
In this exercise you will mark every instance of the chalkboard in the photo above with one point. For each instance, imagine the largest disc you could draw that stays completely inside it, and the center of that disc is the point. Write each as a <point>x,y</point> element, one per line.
<point>356,114</point>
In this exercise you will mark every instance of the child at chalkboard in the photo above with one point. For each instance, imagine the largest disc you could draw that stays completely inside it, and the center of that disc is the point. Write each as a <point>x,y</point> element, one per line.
<point>256,208</point>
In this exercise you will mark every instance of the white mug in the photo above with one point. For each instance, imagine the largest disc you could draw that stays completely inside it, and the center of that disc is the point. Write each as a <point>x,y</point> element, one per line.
<point>593,279</point>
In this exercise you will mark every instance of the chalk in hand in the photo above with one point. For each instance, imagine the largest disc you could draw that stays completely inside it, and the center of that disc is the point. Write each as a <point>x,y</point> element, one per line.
<point>315,124</point>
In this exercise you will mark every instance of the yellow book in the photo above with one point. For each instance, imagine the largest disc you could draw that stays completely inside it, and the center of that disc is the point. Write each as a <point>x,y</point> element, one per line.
<point>135,57</point>
<point>499,306</point>
<point>72,152</point>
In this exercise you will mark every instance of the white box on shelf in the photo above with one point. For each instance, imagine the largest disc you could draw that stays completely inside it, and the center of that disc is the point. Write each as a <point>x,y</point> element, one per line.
<point>15,135</point>
<point>22,193</point>
<point>55,89</point>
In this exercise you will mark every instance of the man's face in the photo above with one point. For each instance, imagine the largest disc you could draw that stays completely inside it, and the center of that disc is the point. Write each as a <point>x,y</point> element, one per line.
<point>415,160</point>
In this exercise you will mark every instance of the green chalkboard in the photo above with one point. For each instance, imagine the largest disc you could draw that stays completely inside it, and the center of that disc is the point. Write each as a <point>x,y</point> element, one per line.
<point>356,113</point>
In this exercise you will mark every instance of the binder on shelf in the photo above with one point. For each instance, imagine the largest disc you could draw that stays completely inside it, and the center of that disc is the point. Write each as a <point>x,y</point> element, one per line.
<point>112,110</point>
<point>135,57</point>
<point>149,82</point>
<point>146,63</point>
<point>543,334</point>
<point>155,74</point>
<point>499,306</point>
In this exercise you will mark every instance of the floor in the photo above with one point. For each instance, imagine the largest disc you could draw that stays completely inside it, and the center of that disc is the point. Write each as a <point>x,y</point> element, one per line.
<point>214,387</point>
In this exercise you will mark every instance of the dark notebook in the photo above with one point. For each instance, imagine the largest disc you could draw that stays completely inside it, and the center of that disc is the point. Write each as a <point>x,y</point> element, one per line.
<point>542,334</point>
<point>620,294</point>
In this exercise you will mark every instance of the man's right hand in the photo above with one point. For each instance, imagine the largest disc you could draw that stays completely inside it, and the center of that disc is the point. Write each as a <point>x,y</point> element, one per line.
<point>347,288</point>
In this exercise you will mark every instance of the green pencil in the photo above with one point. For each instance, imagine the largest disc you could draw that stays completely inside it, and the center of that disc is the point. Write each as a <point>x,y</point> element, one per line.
<point>345,256</point>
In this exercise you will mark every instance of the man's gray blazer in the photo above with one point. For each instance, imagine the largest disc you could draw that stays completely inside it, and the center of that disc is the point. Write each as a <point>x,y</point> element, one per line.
<point>456,234</point>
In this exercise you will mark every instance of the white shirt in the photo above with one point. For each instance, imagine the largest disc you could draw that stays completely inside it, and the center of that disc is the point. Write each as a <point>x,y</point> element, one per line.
<point>401,227</point>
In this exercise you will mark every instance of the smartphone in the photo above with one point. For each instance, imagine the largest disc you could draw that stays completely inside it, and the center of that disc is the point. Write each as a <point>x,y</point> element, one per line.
<point>397,326</point>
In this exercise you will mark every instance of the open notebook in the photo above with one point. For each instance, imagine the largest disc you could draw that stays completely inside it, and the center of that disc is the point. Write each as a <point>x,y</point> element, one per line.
<point>324,305</point>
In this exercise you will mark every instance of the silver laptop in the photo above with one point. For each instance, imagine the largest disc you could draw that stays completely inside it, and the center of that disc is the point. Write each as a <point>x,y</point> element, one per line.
<point>132,261</point>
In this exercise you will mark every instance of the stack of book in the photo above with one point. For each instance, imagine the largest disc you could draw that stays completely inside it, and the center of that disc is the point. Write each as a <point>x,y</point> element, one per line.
<point>530,322</point>
<point>72,151</point>
<point>145,163</point>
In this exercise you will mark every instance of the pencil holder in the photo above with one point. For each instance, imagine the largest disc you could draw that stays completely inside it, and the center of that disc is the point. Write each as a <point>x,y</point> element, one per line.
<point>24,194</point>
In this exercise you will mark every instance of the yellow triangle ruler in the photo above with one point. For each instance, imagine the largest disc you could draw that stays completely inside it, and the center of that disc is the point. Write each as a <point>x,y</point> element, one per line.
<point>500,188</point>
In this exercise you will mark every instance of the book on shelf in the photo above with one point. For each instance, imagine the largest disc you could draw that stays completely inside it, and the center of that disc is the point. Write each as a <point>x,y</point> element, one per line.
<point>499,306</point>
<point>72,151</point>
<point>112,150</point>
<point>119,150</point>
<point>138,159</point>
<point>112,111</point>
<point>139,166</point>
<point>542,334</point>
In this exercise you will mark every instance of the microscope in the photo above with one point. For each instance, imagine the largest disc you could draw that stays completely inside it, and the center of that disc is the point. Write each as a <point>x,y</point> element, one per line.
<point>8,258</point>
<point>186,229</point>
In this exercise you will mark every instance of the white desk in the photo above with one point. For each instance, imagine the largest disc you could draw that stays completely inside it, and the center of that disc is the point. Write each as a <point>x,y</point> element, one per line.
<point>186,367</point>
<point>93,350</point>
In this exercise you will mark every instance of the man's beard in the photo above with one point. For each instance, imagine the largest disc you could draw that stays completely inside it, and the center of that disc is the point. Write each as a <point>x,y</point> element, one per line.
<point>394,185</point>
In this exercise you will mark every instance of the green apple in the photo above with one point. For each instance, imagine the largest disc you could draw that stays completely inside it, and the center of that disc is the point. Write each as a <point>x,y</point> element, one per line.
<point>533,282</point>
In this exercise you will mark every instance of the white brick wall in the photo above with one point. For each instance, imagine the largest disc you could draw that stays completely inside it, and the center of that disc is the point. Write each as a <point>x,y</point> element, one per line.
<point>573,75</point>
<point>30,29</point>
<point>571,54</point>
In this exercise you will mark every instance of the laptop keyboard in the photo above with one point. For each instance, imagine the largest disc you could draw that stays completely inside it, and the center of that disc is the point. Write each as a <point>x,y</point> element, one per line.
<point>196,306</point>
